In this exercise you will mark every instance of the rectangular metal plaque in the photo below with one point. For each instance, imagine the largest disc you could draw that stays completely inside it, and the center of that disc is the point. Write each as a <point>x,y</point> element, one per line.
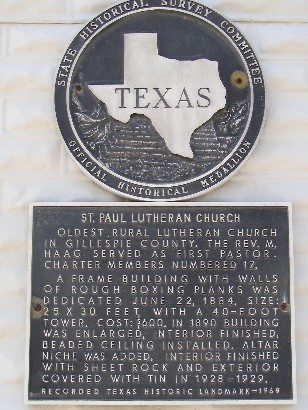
<point>140,303</point>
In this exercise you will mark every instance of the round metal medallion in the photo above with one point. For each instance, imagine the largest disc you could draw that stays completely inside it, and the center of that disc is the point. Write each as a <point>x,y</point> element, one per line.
<point>160,100</point>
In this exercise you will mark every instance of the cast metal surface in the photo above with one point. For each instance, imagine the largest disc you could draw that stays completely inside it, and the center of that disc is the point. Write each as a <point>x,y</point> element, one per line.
<point>141,304</point>
<point>126,153</point>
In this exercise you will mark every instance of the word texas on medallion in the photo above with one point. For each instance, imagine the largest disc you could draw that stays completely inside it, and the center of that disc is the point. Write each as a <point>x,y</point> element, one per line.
<point>160,99</point>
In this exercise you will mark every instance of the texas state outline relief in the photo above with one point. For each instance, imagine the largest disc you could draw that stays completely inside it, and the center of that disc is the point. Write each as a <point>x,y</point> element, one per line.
<point>177,96</point>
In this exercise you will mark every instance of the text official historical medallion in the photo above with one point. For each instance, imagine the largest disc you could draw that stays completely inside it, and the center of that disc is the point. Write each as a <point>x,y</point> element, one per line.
<point>160,100</point>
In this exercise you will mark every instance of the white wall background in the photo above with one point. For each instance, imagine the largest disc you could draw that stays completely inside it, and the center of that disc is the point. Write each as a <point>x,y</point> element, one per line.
<point>34,167</point>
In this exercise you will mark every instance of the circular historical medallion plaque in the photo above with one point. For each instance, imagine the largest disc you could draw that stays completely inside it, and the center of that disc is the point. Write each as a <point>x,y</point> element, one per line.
<point>160,100</point>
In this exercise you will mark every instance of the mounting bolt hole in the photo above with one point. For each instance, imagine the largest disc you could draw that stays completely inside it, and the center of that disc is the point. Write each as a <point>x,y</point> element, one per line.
<point>239,79</point>
<point>37,307</point>
<point>284,307</point>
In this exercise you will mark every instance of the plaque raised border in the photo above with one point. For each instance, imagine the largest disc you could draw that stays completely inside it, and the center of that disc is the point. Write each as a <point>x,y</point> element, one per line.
<point>166,401</point>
